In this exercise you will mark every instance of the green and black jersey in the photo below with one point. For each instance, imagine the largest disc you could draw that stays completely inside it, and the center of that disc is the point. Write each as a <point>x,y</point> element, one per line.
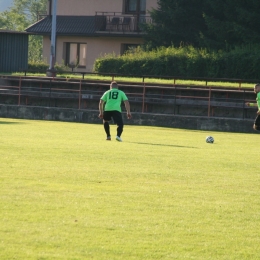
<point>113,99</point>
<point>258,100</point>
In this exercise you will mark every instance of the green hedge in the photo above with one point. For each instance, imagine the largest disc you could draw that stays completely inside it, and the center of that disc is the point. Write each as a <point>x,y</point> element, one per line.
<point>185,62</point>
<point>39,67</point>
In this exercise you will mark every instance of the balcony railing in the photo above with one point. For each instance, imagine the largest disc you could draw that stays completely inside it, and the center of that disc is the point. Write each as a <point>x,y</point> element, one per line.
<point>41,15</point>
<point>114,22</point>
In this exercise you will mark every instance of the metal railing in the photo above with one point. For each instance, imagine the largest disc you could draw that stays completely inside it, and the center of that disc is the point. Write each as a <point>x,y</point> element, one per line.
<point>122,23</point>
<point>142,95</point>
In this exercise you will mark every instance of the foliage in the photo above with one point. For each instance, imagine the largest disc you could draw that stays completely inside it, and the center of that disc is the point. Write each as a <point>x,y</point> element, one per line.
<point>163,194</point>
<point>187,61</point>
<point>37,66</point>
<point>35,48</point>
<point>11,20</point>
<point>61,67</point>
<point>22,14</point>
<point>40,66</point>
<point>231,23</point>
<point>176,22</point>
<point>217,24</point>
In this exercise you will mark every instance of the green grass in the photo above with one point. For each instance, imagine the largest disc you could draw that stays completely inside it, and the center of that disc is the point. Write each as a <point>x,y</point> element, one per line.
<point>147,80</point>
<point>163,193</point>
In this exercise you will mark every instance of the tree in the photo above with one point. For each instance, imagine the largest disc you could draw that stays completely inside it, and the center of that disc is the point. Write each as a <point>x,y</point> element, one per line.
<point>176,22</point>
<point>12,21</point>
<point>22,14</point>
<point>231,23</point>
<point>214,24</point>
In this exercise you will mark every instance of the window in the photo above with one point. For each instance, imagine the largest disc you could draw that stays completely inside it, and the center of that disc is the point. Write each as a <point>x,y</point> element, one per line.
<point>75,54</point>
<point>131,6</point>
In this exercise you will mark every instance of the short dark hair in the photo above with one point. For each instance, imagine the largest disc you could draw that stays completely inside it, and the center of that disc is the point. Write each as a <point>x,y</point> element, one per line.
<point>113,84</point>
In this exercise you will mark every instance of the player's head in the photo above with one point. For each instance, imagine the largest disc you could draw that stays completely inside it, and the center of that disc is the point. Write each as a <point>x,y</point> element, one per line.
<point>113,85</point>
<point>257,88</point>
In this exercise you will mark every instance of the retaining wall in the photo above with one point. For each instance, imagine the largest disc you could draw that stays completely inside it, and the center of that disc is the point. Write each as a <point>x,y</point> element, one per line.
<point>162,120</point>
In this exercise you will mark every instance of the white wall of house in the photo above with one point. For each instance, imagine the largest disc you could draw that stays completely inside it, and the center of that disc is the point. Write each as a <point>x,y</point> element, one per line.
<point>95,48</point>
<point>90,7</point>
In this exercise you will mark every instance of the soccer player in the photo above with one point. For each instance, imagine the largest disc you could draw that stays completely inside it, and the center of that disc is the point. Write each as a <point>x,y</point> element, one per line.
<point>112,100</point>
<point>256,125</point>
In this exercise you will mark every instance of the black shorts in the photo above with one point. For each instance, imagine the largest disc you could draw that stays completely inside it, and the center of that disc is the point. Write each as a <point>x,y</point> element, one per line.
<point>116,115</point>
<point>257,120</point>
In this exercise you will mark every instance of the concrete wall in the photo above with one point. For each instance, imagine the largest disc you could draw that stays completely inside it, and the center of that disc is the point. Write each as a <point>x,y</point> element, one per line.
<point>91,116</point>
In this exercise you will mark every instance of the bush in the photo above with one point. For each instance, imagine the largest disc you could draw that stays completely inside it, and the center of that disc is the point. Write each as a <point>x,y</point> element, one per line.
<point>41,67</point>
<point>38,66</point>
<point>241,62</point>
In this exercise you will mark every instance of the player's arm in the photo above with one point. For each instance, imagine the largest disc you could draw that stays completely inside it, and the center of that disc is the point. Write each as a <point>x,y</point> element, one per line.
<point>101,108</point>
<point>258,104</point>
<point>127,107</point>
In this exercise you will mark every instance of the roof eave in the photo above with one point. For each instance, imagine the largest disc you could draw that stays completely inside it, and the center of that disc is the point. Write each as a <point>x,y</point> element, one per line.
<point>131,35</point>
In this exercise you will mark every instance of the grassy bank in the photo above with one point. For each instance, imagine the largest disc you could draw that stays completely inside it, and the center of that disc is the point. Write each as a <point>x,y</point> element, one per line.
<point>225,84</point>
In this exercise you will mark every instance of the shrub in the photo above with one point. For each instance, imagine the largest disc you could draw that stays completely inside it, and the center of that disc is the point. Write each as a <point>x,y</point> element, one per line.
<point>41,67</point>
<point>187,61</point>
<point>38,66</point>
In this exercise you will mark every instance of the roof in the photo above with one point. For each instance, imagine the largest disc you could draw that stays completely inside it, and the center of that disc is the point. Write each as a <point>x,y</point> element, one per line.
<point>77,26</point>
<point>68,25</point>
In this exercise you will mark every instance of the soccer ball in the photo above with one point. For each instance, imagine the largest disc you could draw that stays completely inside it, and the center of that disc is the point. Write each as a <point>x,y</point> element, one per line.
<point>209,139</point>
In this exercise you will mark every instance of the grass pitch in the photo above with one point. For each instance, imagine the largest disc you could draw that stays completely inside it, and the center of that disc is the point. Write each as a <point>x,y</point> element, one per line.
<point>163,193</point>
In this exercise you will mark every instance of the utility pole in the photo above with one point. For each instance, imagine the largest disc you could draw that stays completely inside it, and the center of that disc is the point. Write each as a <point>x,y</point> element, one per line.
<point>51,71</point>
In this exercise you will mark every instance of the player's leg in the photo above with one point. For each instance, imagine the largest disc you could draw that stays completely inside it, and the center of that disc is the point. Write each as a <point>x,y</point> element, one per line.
<point>106,119</point>
<point>257,123</point>
<point>117,116</point>
<point>107,130</point>
<point>120,129</point>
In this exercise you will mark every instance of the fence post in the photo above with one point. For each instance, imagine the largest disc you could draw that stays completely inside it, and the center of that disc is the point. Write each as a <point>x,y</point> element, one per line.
<point>174,107</point>
<point>209,99</point>
<point>50,93</point>
<point>80,94</point>
<point>19,96</point>
<point>244,105</point>
<point>143,96</point>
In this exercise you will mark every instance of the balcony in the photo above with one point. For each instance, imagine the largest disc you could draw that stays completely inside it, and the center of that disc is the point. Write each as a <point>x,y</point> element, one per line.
<point>118,23</point>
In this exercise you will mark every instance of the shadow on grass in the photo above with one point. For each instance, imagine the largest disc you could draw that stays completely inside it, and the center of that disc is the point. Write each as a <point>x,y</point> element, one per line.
<point>170,145</point>
<point>9,123</point>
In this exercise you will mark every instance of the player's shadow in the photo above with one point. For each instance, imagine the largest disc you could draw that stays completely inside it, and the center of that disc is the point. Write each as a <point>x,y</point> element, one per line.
<point>8,123</point>
<point>170,145</point>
